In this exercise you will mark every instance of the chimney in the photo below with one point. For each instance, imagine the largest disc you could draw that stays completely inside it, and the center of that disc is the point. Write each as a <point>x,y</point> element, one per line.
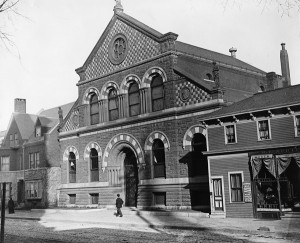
<point>20,105</point>
<point>285,68</point>
<point>233,51</point>
<point>118,7</point>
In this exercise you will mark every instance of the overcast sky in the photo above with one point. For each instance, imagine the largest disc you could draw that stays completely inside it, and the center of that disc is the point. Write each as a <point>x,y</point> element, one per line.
<point>55,37</point>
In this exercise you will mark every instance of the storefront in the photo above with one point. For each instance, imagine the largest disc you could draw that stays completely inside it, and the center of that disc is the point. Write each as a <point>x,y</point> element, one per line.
<point>275,183</point>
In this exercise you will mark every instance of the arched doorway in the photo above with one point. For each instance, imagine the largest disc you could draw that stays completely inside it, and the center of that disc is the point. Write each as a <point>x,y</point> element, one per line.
<point>130,177</point>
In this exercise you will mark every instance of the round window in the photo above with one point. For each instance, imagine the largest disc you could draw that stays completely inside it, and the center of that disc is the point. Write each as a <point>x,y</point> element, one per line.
<point>118,49</point>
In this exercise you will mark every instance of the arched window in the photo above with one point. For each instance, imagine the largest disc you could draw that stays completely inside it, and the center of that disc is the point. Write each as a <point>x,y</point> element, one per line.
<point>72,167</point>
<point>158,153</point>
<point>94,165</point>
<point>94,109</point>
<point>199,161</point>
<point>113,106</point>
<point>134,99</point>
<point>157,93</point>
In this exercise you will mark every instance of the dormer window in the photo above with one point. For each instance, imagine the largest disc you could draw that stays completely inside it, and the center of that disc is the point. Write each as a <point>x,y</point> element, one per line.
<point>38,131</point>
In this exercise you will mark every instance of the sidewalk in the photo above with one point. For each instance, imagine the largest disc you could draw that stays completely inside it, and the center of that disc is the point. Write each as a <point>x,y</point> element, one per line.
<point>290,224</point>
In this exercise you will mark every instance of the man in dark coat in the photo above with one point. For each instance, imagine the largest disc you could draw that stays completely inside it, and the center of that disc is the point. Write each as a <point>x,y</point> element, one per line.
<point>119,203</point>
<point>11,206</point>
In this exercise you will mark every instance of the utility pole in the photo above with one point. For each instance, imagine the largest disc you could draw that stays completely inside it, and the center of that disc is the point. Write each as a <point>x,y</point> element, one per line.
<point>3,212</point>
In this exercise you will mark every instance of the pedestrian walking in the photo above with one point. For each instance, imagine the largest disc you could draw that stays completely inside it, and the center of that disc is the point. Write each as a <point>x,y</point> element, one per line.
<point>11,206</point>
<point>119,204</point>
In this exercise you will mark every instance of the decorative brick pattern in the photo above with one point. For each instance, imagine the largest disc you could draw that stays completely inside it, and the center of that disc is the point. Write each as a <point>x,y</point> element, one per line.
<point>127,81</point>
<point>197,95</point>
<point>156,135</point>
<point>70,124</point>
<point>188,136</point>
<point>68,150</point>
<point>105,89</point>
<point>127,139</point>
<point>88,94</point>
<point>88,150</point>
<point>146,82</point>
<point>141,47</point>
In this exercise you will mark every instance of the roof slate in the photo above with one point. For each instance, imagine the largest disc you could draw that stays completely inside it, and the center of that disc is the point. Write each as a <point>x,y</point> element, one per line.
<point>53,112</point>
<point>265,100</point>
<point>214,56</point>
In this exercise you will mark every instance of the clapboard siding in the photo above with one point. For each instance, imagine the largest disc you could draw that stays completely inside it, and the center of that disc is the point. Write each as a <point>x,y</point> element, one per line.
<point>220,166</point>
<point>282,131</point>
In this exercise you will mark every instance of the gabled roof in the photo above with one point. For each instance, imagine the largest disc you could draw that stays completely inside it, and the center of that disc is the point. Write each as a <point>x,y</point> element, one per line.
<point>277,98</point>
<point>47,122</point>
<point>139,24</point>
<point>53,112</point>
<point>25,123</point>
<point>214,56</point>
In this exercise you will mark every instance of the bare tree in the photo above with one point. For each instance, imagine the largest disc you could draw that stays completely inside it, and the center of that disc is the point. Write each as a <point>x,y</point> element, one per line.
<point>284,7</point>
<point>7,9</point>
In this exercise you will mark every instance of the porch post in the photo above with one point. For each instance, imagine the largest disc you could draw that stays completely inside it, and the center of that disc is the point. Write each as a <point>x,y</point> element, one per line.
<point>278,185</point>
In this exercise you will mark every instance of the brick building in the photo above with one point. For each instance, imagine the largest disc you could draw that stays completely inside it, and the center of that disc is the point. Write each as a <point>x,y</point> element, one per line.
<point>29,156</point>
<point>135,128</point>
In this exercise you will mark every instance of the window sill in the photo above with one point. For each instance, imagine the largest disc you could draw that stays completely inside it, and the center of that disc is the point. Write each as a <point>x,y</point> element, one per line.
<point>231,143</point>
<point>237,202</point>
<point>262,140</point>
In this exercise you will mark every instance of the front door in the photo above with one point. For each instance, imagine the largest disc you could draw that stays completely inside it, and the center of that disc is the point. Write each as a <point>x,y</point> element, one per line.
<point>131,179</point>
<point>218,195</point>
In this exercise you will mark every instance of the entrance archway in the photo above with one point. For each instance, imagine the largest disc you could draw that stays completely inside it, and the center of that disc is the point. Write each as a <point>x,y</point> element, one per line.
<point>130,177</point>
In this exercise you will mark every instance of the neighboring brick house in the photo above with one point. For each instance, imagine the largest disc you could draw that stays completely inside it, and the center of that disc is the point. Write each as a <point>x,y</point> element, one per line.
<point>135,128</point>
<point>30,156</point>
<point>254,155</point>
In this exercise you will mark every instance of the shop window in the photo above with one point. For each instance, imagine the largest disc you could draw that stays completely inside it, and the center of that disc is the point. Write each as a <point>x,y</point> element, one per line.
<point>5,163</point>
<point>72,167</point>
<point>157,93</point>
<point>158,152</point>
<point>94,165</point>
<point>134,99</point>
<point>94,198</point>
<point>33,189</point>
<point>72,198</point>
<point>113,106</point>
<point>94,109</point>
<point>159,198</point>
<point>236,186</point>
<point>297,126</point>
<point>264,132</point>
<point>34,160</point>
<point>230,134</point>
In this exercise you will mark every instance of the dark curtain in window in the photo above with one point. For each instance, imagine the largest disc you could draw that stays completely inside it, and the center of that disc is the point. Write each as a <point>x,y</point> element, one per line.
<point>113,107</point>
<point>157,93</point>
<point>263,127</point>
<point>158,151</point>
<point>236,188</point>
<point>134,99</point>
<point>94,109</point>
<point>72,170</point>
<point>94,165</point>
<point>230,133</point>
